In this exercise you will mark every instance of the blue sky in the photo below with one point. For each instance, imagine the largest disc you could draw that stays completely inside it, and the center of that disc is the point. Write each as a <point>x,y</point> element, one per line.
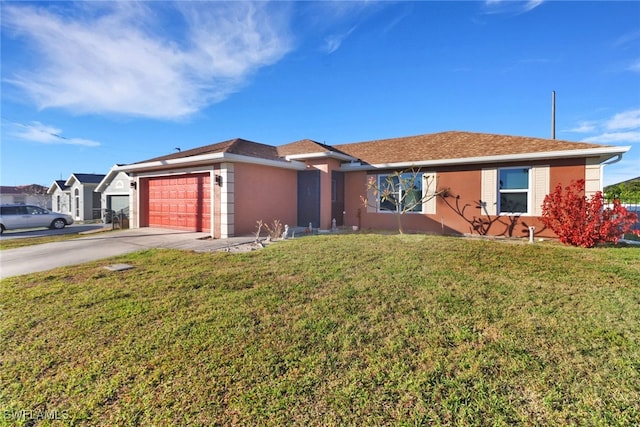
<point>86,85</point>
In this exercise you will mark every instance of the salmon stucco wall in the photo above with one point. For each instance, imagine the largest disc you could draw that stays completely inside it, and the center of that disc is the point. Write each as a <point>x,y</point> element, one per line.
<point>356,211</point>
<point>443,222</point>
<point>355,184</point>
<point>459,204</point>
<point>458,212</point>
<point>565,172</point>
<point>263,193</point>
<point>463,210</point>
<point>325,166</point>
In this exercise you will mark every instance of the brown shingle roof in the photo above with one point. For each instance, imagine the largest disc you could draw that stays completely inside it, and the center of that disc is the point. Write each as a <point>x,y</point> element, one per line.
<point>11,190</point>
<point>22,189</point>
<point>453,145</point>
<point>235,146</point>
<point>437,146</point>
<point>305,146</point>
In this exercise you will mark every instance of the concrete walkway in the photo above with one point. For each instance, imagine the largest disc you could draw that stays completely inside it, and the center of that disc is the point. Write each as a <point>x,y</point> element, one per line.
<point>31,259</point>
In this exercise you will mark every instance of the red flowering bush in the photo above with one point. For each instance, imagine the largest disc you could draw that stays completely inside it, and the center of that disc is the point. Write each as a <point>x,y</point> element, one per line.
<point>581,221</point>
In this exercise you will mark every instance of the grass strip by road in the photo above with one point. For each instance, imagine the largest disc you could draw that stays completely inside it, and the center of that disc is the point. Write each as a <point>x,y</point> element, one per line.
<point>14,243</point>
<point>327,331</point>
<point>31,241</point>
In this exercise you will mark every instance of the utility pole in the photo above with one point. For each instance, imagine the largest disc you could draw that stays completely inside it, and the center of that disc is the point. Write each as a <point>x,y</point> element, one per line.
<point>553,114</point>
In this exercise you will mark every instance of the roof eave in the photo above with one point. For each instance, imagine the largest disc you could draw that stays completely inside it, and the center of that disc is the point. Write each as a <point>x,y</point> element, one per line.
<point>106,181</point>
<point>55,185</point>
<point>605,153</point>
<point>321,154</point>
<point>207,159</point>
<point>69,181</point>
<point>51,189</point>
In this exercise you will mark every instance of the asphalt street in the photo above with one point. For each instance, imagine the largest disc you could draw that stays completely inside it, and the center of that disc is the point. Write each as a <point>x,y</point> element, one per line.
<point>36,258</point>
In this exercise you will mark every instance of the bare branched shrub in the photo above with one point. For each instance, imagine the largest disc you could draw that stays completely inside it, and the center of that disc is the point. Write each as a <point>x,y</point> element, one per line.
<point>259,225</point>
<point>274,230</point>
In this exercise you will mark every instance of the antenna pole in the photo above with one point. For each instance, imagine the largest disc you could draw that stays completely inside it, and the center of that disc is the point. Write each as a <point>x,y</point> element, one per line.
<point>553,114</point>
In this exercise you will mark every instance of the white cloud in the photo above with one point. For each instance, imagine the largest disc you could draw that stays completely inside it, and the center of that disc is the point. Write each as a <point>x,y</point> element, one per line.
<point>635,66</point>
<point>334,41</point>
<point>38,132</point>
<point>584,127</point>
<point>615,137</point>
<point>532,4</point>
<point>335,21</point>
<point>117,57</point>
<point>628,39</point>
<point>621,128</point>
<point>625,120</point>
<point>511,6</point>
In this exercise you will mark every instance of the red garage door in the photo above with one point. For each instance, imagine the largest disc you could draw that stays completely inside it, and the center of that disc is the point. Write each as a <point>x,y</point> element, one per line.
<point>182,202</point>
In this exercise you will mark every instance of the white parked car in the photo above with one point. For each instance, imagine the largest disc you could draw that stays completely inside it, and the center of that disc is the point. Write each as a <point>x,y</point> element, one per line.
<point>13,217</point>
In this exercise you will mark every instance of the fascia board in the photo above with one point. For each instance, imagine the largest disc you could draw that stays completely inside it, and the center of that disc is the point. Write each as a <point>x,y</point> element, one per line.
<point>604,153</point>
<point>264,162</point>
<point>321,154</point>
<point>107,179</point>
<point>69,181</point>
<point>206,159</point>
<point>52,188</point>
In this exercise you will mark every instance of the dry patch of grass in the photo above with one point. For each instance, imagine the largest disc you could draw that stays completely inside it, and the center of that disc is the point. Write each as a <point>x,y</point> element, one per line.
<point>330,330</point>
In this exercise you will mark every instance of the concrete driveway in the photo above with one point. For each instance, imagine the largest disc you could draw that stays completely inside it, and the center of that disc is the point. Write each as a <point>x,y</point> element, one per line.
<point>31,259</point>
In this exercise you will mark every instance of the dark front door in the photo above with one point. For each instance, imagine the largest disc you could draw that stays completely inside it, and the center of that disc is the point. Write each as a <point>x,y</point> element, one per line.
<point>337,197</point>
<point>309,198</point>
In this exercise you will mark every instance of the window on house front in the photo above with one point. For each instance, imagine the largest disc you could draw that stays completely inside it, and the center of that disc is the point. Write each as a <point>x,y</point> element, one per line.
<point>514,187</point>
<point>400,193</point>
<point>77,197</point>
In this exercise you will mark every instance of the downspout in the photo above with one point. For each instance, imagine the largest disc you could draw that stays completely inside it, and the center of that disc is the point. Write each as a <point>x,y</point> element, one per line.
<point>602,165</point>
<point>616,160</point>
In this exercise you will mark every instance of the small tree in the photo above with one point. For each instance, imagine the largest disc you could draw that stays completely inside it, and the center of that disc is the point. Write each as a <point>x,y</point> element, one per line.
<point>625,191</point>
<point>401,192</point>
<point>37,192</point>
<point>581,221</point>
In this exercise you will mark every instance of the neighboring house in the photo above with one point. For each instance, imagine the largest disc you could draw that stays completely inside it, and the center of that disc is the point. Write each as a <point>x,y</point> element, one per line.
<point>76,196</point>
<point>114,189</point>
<point>32,194</point>
<point>60,196</point>
<point>495,183</point>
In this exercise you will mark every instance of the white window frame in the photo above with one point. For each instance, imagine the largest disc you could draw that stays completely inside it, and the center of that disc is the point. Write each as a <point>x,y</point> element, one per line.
<point>528,190</point>
<point>381,180</point>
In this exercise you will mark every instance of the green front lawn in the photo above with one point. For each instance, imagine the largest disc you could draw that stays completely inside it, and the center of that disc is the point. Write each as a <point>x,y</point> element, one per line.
<point>329,331</point>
